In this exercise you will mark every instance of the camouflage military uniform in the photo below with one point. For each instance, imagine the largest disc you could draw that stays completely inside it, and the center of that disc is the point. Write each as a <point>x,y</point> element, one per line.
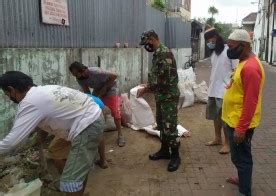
<point>162,81</point>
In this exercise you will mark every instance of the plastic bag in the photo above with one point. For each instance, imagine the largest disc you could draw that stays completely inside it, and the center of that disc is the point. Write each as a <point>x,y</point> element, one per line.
<point>32,188</point>
<point>142,115</point>
<point>126,112</point>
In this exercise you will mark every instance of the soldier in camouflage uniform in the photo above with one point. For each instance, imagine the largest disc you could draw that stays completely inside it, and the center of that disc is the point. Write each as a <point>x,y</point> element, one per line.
<point>162,81</point>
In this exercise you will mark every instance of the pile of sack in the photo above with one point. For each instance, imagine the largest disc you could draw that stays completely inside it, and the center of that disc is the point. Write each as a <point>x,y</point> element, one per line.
<point>137,114</point>
<point>190,92</point>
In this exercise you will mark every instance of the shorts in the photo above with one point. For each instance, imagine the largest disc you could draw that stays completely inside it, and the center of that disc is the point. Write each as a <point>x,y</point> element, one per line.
<point>214,109</point>
<point>113,102</point>
<point>80,161</point>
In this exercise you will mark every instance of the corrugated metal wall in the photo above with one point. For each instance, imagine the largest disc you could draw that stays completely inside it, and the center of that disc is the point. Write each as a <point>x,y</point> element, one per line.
<point>93,23</point>
<point>178,33</point>
<point>173,4</point>
<point>156,20</point>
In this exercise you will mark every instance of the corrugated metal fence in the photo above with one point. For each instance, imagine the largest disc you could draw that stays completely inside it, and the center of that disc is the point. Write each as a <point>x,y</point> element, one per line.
<point>178,33</point>
<point>93,23</point>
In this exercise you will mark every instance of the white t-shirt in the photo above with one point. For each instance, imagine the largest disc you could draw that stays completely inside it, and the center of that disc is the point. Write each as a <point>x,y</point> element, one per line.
<point>61,111</point>
<point>222,68</point>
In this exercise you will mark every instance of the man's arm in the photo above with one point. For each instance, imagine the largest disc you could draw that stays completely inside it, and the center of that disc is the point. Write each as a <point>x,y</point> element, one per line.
<point>27,119</point>
<point>85,89</point>
<point>107,85</point>
<point>84,86</point>
<point>251,80</point>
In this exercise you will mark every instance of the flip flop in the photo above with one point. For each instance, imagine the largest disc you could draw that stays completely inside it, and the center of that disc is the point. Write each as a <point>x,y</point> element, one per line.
<point>121,142</point>
<point>233,180</point>
<point>213,143</point>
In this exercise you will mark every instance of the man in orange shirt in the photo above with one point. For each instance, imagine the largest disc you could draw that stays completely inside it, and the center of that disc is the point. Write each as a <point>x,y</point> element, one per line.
<point>241,107</point>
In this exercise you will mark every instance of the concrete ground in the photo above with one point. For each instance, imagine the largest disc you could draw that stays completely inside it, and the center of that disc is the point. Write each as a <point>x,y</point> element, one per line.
<point>203,170</point>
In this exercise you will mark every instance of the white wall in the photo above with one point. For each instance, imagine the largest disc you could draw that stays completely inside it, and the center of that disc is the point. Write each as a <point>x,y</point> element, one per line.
<point>273,47</point>
<point>181,56</point>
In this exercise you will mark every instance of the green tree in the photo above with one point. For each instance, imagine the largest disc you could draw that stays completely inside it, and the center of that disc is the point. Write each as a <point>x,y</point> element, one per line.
<point>211,21</point>
<point>159,4</point>
<point>224,29</point>
<point>212,10</point>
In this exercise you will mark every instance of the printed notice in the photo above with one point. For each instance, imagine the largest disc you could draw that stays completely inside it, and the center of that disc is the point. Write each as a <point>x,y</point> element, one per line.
<point>55,12</point>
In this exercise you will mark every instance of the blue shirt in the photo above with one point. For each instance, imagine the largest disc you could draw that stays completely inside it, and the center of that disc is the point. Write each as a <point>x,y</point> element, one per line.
<point>97,100</point>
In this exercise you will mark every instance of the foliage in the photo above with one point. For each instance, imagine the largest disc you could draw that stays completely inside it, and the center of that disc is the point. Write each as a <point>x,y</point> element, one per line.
<point>224,29</point>
<point>211,21</point>
<point>212,10</point>
<point>158,4</point>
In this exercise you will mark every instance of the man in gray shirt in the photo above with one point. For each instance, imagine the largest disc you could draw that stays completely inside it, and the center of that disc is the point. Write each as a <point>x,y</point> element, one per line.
<point>104,86</point>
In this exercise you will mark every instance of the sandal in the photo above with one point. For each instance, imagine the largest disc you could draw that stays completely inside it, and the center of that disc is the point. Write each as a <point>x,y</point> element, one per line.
<point>233,180</point>
<point>121,142</point>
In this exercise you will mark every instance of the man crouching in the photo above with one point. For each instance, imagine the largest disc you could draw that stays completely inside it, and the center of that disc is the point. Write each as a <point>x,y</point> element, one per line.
<point>63,112</point>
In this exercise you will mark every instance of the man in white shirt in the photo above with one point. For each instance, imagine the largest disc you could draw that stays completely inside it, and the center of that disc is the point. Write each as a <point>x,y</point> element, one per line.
<point>222,68</point>
<point>63,112</point>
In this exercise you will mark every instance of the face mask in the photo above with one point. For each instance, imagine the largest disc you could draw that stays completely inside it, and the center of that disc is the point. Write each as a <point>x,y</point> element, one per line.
<point>149,47</point>
<point>211,45</point>
<point>235,53</point>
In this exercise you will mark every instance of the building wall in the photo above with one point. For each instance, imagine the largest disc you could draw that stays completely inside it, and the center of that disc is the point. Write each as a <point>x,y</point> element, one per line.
<point>248,27</point>
<point>260,30</point>
<point>261,36</point>
<point>272,41</point>
<point>202,46</point>
<point>185,14</point>
<point>181,56</point>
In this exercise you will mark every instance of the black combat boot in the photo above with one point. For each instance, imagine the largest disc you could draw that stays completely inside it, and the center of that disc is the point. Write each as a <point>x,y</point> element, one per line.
<point>175,160</point>
<point>163,153</point>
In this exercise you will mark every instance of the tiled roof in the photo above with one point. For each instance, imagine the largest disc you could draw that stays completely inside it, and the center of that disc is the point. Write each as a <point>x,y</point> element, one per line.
<point>250,17</point>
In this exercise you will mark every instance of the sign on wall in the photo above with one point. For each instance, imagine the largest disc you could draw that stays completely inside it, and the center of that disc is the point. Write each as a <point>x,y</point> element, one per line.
<point>55,12</point>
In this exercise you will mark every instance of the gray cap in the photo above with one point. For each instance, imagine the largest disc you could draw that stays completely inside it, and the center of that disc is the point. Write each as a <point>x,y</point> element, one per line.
<point>240,35</point>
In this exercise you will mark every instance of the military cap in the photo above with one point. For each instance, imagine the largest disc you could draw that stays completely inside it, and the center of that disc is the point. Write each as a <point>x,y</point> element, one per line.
<point>146,35</point>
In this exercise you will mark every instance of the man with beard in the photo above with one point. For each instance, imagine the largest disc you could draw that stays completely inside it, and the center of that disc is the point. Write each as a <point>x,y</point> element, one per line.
<point>162,81</point>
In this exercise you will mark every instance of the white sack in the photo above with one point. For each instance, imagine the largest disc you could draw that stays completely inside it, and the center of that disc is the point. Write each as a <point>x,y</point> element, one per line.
<point>182,132</point>
<point>142,115</point>
<point>201,92</point>
<point>26,189</point>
